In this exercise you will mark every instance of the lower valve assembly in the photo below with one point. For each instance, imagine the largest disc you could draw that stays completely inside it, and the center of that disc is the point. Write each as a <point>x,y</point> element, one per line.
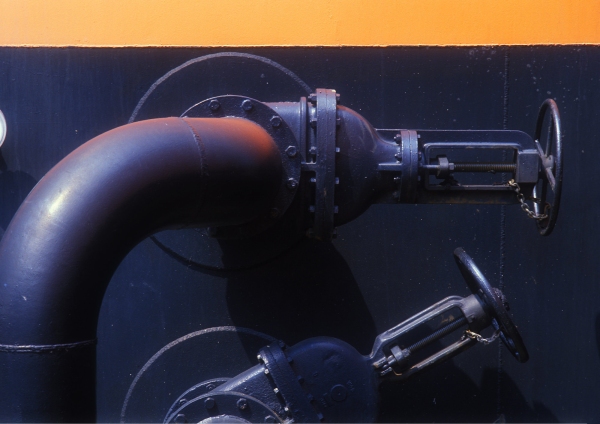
<point>326,380</point>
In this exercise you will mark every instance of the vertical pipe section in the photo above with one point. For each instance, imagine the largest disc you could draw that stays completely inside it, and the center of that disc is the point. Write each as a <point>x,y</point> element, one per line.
<point>65,242</point>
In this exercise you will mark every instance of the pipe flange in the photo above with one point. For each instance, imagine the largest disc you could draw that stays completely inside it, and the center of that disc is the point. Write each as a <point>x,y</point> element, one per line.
<point>324,123</point>
<point>253,110</point>
<point>224,407</point>
<point>194,392</point>
<point>409,145</point>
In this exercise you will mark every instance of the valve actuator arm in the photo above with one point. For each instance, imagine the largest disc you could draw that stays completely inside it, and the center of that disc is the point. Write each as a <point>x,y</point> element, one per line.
<point>442,166</point>
<point>396,352</point>
<point>325,379</point>
<point>499,167</point>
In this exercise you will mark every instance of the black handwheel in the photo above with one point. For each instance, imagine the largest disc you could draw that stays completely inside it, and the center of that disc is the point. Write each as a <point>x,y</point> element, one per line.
<point>492,298</point>
<point>551,164</point>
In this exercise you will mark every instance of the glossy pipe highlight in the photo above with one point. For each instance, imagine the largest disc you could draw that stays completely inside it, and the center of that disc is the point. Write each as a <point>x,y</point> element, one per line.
<point>70,234</point>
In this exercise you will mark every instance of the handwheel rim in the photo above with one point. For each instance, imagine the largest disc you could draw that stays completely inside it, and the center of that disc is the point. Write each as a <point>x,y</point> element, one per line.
<point>545,226</point>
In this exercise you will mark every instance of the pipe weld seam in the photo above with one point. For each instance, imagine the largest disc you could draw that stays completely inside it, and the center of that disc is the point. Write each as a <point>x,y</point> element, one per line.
<point>203,165</point>
<point>46,348</point>
<point>199,144</point>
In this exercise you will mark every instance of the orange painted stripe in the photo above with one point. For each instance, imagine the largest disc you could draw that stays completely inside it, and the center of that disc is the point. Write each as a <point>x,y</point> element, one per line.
<point>118,23</point>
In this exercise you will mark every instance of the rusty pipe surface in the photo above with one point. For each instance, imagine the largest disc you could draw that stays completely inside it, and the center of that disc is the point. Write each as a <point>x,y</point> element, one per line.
<point>70,234</point>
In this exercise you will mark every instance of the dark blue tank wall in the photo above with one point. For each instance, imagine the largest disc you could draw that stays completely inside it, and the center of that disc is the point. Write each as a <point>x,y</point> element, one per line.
<point>390,263</point>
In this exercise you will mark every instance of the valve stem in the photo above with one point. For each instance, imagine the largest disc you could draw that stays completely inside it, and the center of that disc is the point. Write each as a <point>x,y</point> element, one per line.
<point>485,167</point>
<point>445,168</point>
<point>400,356</point>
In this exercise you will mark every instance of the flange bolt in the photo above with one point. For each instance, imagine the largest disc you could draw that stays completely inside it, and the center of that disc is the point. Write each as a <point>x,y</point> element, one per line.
<point>209,403</point>
<point>247,105</point>
<point>242,404</point>
<point>276,121</point>
<point>292,184</point>
<point>292,151</point>
<point>214,105</point>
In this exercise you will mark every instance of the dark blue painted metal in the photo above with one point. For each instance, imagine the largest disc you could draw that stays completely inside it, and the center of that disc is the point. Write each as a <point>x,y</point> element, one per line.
<point>65,242</point>
<point>383,266</point>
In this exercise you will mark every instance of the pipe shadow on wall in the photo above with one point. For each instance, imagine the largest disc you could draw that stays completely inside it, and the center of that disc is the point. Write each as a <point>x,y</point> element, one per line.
<point>598,333</point>
<point>14,188</point>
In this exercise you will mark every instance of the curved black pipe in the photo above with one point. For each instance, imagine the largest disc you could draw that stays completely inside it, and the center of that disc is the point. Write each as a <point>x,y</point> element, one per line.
<point>65,242</point>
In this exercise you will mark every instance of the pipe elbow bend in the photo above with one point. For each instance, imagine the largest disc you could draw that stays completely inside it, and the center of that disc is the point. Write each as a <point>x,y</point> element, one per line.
<point>84,216</point>
<point>66,240</point>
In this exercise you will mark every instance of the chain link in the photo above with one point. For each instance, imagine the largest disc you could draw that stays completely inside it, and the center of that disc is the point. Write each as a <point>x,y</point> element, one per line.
<point>525,206</point>
<point>474,336</point>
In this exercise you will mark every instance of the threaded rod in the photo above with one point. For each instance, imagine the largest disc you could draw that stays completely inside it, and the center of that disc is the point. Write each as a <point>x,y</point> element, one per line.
<point>485,167</point>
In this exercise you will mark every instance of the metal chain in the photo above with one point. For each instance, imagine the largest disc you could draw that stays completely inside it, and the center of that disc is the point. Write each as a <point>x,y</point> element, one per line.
<point>474,336</point>
<point>524,205</point>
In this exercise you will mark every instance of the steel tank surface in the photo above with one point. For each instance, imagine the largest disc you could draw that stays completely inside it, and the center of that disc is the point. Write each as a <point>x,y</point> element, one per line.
<point>186,307</point>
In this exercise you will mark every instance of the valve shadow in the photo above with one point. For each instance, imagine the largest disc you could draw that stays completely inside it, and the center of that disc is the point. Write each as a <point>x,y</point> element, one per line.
<point>14,188</point>
<point>598,333</point>
<point>307,291</point>
<point>3,165</point>
<point>447,394</point>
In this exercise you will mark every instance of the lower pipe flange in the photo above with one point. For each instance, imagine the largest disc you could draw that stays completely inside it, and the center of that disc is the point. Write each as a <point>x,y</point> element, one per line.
<point>193,392</point>
<point>224,407</point>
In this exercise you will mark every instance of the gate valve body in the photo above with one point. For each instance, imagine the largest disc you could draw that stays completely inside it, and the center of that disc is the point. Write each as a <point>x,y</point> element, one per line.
<point>326,379</point>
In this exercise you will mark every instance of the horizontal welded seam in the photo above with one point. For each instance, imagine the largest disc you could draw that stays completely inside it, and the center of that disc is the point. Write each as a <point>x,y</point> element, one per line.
<point>46,348</point>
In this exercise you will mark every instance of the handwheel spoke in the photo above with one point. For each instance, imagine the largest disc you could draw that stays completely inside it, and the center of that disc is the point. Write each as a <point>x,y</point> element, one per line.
<point>550,177</point>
